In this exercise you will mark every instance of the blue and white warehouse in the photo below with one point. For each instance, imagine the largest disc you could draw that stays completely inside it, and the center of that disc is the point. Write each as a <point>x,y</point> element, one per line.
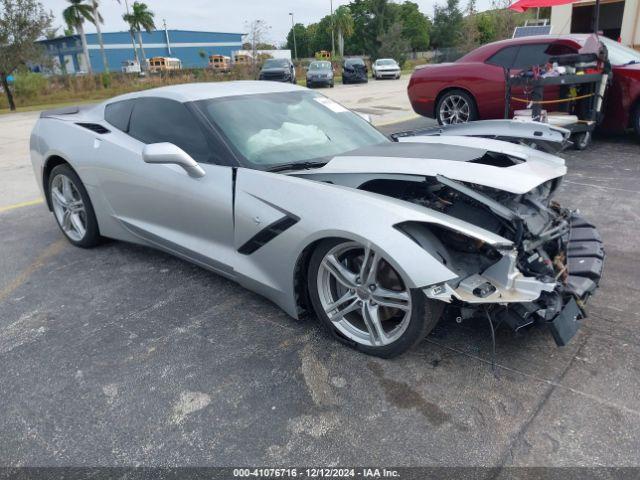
<point>191,47</point>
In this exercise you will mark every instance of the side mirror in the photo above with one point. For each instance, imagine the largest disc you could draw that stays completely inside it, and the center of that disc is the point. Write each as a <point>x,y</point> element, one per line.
<point>168,153</point>
<point>364,116</point>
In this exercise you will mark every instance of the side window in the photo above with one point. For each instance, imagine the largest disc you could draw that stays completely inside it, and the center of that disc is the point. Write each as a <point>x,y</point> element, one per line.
<point>118,114</point>
<point>529,55</point>
<point>505,57</point>
<point>156,120</point>
<point>560,49</point>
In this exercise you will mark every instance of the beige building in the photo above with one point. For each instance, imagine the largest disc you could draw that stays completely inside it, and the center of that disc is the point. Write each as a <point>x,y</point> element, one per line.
<point>619,19</point>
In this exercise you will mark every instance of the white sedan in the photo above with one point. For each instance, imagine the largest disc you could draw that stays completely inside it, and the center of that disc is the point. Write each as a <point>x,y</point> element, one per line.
<point>386,68</point>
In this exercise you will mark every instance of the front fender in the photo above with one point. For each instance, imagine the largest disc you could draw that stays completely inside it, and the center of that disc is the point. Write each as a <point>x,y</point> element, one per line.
<point>323,210</point>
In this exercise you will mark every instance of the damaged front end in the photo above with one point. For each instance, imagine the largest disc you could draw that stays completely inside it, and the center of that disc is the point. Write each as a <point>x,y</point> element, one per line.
<point>546,273</point>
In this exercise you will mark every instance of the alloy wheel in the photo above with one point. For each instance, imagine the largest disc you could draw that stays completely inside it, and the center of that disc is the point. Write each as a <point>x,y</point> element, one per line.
<point>363,295</point>
<point>454,109</point>
<point>68,207</point>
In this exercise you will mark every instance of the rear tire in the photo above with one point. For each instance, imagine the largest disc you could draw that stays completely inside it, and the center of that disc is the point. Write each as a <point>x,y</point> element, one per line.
<point>456,106</point>
<point>377,315</point>
<point>72,207</point>
<point>636,121</point>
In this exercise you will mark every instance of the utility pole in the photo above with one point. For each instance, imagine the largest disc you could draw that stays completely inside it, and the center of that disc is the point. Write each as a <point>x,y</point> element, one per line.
<point>596,17</point>
<point>333,45</point>
<point>293,31</point>
<point>166,35</point>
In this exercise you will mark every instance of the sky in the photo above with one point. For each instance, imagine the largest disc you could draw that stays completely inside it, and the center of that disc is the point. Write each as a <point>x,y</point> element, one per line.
<point>225,15</point>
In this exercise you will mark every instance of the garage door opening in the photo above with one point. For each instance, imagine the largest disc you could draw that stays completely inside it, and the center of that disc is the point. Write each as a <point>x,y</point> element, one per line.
<point>610,19</point>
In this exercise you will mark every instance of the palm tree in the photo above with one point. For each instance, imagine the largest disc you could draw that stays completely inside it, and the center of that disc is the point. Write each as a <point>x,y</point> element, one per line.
<point>343,22</point>
<point>140,18</point>
<point>133,40</point>
<point>74,16</point>
<point>97,20</point>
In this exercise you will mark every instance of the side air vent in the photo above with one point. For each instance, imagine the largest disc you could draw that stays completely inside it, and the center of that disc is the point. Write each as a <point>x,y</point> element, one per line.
<point>94,127</point>
<point>267,234</point>
<point>495,159</point>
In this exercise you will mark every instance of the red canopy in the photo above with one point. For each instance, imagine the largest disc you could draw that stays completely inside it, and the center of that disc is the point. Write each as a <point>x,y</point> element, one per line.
<point>522,5</point>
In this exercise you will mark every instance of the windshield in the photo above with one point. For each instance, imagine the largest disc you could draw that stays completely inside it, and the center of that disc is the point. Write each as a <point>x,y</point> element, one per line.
<point>354,61</point>
<point>619,54</point>
<point>320,66</point>
<point>276,63</point>
<point>385,62</point>
<point>277,128</point>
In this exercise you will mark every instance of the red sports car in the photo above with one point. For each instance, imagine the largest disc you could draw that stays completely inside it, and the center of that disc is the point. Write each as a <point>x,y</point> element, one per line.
<point>473,87</point>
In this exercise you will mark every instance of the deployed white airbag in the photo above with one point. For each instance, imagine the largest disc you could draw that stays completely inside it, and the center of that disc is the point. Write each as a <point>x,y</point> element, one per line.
<point>289,136</point>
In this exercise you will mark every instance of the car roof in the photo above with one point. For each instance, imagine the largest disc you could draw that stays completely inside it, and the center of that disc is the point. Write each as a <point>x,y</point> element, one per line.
<point>582,40</point>
<point>189,92</point>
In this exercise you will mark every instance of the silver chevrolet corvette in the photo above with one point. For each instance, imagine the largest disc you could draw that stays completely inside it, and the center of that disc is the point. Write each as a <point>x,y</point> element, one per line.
<point>301,200</point>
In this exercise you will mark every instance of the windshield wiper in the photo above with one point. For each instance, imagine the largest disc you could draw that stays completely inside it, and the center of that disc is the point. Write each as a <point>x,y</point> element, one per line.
<point>296,166</point>
<point>630,62</point>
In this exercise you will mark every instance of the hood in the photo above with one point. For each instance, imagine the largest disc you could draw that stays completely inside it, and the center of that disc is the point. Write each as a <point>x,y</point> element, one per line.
<point>492,163</point>
<point>387,67</point>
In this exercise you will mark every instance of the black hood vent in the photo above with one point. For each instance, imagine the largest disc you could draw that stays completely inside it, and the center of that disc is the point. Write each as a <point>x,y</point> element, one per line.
<point>94,127</point>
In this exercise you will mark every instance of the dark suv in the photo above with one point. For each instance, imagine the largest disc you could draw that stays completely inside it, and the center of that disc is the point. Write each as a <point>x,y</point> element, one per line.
<point>278,70</point>
<point>354,70</point>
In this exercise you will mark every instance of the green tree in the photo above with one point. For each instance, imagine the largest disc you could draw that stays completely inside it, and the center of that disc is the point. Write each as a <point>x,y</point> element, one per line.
<point>415,26</point>
<point>302,40</point>
<point>470,37</point>
<point>319,35</point>
<point>447,24</point>
<point>486,27</point>
<point>371,19</point>
<point>343,23</point>
<point>393,44</point>
<point>140,18</point>
<point>74,16</point>
<point>22,22</point>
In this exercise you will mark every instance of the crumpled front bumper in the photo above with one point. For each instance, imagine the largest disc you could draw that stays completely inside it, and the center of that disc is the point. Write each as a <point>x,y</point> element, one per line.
<point>585,264</point>
<point>519,301</point>
<point>585,258</point>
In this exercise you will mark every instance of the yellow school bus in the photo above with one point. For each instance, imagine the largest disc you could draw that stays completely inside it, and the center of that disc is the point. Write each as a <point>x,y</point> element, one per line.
<point>242,59</point>
<point>220,63</point>
<point>160,64</point>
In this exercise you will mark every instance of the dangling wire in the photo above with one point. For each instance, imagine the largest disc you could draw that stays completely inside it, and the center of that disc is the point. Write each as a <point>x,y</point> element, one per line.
<point>493,343</point>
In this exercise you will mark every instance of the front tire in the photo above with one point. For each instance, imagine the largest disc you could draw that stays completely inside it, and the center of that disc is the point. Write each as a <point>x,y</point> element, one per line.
<point>456,106</point>
<point>364,302</point>
<point>72,207</point>
<point>581,140</point>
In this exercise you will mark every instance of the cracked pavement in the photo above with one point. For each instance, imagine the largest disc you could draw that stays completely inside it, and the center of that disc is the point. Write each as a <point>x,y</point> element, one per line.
<point>123,355</point>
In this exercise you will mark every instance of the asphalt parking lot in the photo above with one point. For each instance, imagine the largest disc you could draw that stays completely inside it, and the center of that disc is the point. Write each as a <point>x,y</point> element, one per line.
<point>122,355</point>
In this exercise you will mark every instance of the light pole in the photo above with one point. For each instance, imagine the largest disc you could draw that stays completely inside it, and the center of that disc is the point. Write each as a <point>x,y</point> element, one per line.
<point>333,46</point>
<point>293,31</point>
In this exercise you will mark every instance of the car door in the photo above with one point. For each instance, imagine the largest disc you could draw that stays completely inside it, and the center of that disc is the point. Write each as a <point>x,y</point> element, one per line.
<point>162,204</point>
